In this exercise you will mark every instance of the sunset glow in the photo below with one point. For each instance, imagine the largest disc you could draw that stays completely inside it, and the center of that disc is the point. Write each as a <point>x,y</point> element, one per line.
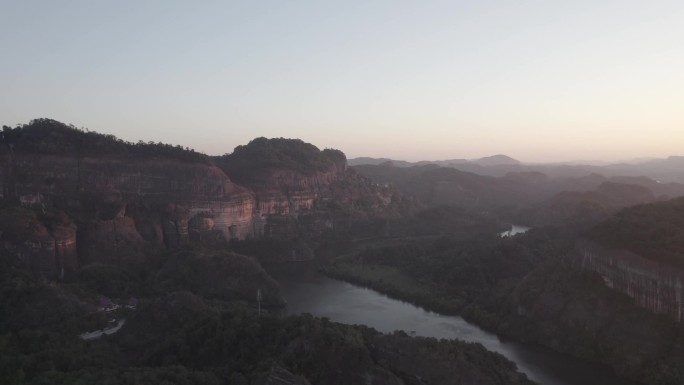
<point>539,81</point>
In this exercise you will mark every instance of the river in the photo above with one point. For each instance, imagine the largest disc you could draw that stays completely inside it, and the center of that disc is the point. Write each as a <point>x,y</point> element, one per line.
<point>308,291</point>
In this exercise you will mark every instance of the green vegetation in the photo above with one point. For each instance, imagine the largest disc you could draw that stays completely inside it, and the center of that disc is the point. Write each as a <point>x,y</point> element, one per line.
<point>196,323</point>
<point>526,288</point>
<point>449,272</point>
<point>18,223</point>
<point>286,154</point>
<point>573,311</point>
<point>396,283</point>
<point>183,339</point>
<point>50,137</point>
<point>654,231</point>
<point>434,186</point>
<point>446,220</point>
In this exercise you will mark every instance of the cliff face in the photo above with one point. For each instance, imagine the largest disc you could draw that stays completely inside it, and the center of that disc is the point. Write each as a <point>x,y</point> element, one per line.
<point>125,206</point>
<point>125,200</point>
<point>285,196</point>
<point>293,204</point>
<point>302,191</point>
<point>110,183</point>
<point>285,191</point>
<point>654,286</point>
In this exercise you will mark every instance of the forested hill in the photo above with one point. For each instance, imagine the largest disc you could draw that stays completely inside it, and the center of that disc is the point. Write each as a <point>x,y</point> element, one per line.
<point>654,231</point>
<point>279,153</point>
<point>50,137</point>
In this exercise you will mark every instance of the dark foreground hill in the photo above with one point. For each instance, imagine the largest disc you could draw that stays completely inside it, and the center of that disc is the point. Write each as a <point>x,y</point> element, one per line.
<point>194,321</point>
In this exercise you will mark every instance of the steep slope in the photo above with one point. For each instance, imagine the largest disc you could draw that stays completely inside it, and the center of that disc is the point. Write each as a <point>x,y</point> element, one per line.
<point>640,252</point>
<point>125,199</point>
<point>78,197</point>
<point>300,189</point>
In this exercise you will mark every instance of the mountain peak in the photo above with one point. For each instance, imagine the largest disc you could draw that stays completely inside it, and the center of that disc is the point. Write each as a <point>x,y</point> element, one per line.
<point>496,160</point>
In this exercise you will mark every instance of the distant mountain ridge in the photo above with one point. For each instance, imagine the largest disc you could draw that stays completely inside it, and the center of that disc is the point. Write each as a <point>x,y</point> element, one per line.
<point>496,160</point>
<point>663,170</point>
<point>493,160</point>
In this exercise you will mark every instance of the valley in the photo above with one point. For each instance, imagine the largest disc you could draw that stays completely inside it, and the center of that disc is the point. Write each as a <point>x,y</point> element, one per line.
<point>584,267</point>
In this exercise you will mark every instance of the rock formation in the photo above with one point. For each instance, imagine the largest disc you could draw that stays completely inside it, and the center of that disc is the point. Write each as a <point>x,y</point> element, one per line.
<point>179,194</point>
<point>303,191</point>
<point>653,285</point>
<point>125,200</point>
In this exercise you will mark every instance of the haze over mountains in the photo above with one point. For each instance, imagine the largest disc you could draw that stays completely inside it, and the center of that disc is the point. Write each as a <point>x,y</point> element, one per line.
<point>486,161</point>
<point>670,169</point>
<point>85,215</point>
<point>177,205</point>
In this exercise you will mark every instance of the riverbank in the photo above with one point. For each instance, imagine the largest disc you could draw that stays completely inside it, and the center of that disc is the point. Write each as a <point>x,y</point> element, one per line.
<point>545,331</point>
<point>340,301</point>
<point>489,282</point>
<point>396,284</point>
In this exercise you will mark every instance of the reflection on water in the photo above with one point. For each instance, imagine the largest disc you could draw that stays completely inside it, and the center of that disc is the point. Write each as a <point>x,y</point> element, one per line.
<point>309,292</point>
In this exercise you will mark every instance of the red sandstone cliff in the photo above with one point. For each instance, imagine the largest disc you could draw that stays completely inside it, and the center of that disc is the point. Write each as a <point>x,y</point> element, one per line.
<point>300,189</point>
<point>125,200</point>
<point>653,285</point>
<point>639,251</point>
<point>171,199</point>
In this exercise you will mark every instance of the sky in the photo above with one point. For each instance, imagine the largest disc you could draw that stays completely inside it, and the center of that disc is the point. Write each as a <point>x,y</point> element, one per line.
<point>536,80</point>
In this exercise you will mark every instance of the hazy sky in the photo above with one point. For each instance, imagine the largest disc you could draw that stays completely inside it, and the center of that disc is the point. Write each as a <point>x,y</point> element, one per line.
<point>537,80</point>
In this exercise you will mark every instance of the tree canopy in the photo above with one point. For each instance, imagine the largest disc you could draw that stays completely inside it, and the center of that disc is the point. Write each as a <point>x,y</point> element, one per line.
<point>47,136</point>
<point>654,231</point>
<point>291,154</point>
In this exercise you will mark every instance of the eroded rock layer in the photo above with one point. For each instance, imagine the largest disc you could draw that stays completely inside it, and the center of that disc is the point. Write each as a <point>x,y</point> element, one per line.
<point>652,285</point>
<point>125,206</point>
<point>93,198</point>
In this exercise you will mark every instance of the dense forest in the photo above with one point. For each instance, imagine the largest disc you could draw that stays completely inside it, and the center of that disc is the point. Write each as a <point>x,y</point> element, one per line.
<point>47,136</point>
<point>449,272</point>
<point>279,153</point>
<point>196,322</point>
<point>654,231</point>
<point>524,287</point>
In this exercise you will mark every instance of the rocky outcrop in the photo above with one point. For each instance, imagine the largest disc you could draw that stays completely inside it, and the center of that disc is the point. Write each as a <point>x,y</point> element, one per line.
<point>127,200</point>
<point>302,191</point>
<point>105,185</point>
<point>654,286</point>
<point>125,207</point>
<point>66,254</point>
<point>283,194</point>
<point>47,245</point>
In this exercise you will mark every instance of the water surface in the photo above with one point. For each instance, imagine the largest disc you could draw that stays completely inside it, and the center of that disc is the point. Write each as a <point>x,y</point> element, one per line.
<point>307,291</point>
